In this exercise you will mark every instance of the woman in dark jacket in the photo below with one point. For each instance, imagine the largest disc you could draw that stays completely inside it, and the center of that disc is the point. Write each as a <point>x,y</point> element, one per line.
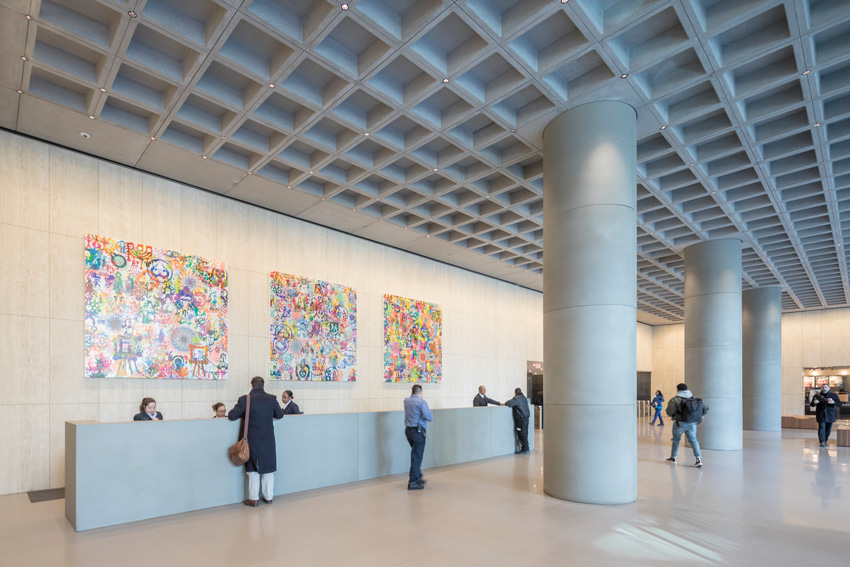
<point>657,403</point>
<point>147,411</point>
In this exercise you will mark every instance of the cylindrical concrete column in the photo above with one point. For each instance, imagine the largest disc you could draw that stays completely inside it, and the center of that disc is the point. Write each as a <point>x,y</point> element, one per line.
<point>762,359</point>
<point>589,304</point>
<point>713,339</point>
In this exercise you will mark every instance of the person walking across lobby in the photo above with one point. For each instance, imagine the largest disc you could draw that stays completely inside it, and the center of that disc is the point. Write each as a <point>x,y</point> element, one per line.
<point>658,404</point>
<point>417,414</point>
<point>263,462</point>
<point>481,400</point>
<point>826,406</point>
<point>289,405</point>
<point>519,405</point>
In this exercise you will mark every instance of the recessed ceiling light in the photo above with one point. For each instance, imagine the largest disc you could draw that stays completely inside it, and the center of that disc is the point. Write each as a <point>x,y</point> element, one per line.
<point>513,129</point>
<point>28,17</point>
<point>131,13</point>
<point>365,133</point>
<point>289,186</point>
<point>344,7</point>
<point>564,1</point>
<point>91,116</point>
<point>311,172</point>
<point>20,91</point>
<point>153,138</point>
<point>271,85</point>
<point>816,124</point>
<point>624,75</point>
<point>807,71</point>
<point>24,58</point>
<point>427,236</point>
<point>822,163</point>
<point>205,157</point>
<point>445,79</point>
<point>435,169</point>
<point>355,210</point>
<point>664,127</point>
<point>714,192</point>
<point>85,135</point>
<point>692,165</point>
<point>250,173</point>
<point>101,89</point>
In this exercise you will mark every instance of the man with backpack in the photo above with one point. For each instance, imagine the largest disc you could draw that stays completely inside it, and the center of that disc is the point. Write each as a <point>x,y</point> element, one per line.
<point>686,412</point>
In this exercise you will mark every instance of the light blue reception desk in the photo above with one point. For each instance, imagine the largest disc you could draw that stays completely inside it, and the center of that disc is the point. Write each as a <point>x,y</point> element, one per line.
<point>124,472</point>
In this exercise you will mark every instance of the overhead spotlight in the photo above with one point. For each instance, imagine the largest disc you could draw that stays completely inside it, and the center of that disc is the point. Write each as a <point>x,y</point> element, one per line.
<point>250,173</point>
<point>624,75</point>
<point>435,169</point>
<point>564,1</point>
<point>816,124</point>
<point>807,71</point>
<point>311,173</point>
<point>365,133</point>
<point>205,157</point>
<point>85,135</point>
<point>101,89</point>
<point>28,17</point>
<point>445,79</point>
<point>344,7</point>
<point>223,137</point>
<point>153,138</point>
<point>289,186</point>
<point>692,164</point>
<point>131,13</point>
<point>24,58</point>
<point>91,116</point>
<point>513,129</point>
<point>664,127</point>
<point>822,163</point>
<point>271,85</point>
<point>20,91</point>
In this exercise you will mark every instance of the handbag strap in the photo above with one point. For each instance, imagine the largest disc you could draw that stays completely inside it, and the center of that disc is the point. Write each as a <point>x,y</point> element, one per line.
<point>247,415</point>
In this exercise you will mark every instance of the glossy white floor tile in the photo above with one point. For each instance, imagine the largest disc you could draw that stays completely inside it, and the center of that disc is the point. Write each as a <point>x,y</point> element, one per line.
<point>779,502</point>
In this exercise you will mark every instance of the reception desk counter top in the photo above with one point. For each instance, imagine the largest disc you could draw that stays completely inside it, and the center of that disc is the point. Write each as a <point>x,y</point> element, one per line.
<point>124,472</point>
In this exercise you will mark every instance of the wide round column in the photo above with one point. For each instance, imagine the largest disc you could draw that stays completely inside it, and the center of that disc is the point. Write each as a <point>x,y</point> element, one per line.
<point>762,359</point>
<point>713,339</point>
<point>589,304</point>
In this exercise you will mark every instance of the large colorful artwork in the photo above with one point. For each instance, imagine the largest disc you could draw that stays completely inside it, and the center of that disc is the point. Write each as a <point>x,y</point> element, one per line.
<point>313,330</point>
<point>413,343</point>
<point>153,313</point>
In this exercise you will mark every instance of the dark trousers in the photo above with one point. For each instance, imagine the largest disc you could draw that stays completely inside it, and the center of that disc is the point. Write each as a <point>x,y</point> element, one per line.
<point>522,432</point>
<point>417,451</point>
<point>824,430</point>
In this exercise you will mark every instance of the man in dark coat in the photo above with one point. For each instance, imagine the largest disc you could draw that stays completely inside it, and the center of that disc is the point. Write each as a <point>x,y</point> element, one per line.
<point>826,406</point>
<point>519,404</point>
<point>481,400</point>
<point>263,461</point>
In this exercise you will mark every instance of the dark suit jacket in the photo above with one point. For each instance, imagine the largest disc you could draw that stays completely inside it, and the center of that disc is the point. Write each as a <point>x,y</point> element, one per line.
<point>292,409</point>
<point>823,410</point>
<point>264,409</point>
<point>143,416</point>
<point>479,401</point>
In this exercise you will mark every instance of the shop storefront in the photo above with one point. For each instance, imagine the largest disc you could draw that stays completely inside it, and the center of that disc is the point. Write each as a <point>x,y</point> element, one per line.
<point>838,379</point>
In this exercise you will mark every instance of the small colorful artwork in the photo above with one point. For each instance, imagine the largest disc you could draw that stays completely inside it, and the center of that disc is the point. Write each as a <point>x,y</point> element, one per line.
<point>413,343</point>
<point>153,313</point>
<point>313,330</point>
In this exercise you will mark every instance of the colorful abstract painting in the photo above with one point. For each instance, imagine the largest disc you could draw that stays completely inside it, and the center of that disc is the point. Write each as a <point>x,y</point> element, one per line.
<point>413,343</point>
<point>153,313</point>
<point>313,330</point>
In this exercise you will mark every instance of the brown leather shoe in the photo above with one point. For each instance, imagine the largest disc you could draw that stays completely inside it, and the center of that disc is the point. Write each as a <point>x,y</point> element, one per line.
<point>267,501</point>
<point>252,503</point>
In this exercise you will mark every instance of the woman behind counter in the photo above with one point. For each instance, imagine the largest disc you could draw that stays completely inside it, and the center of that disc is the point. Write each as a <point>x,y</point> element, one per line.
<point>147,411</point>
<point>220,410</point>
<point>289,405</point>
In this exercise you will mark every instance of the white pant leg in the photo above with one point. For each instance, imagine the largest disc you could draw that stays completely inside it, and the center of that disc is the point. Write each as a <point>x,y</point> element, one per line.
<point>253,485</point>
<point>268,486</point>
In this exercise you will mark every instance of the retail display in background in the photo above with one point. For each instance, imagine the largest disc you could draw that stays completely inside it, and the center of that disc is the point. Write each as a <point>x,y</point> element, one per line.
<point>313,330</point>
<point>153,313</point>
<point>413,340</point>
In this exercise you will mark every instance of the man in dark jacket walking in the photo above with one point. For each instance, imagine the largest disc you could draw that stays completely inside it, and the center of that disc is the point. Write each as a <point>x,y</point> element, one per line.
<point>519,405</point>
<point>682,424</point>
<point>263,461</point>
<point>826,406</point>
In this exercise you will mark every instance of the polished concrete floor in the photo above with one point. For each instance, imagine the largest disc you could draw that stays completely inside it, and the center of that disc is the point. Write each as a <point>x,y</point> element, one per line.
<point>779,502</point>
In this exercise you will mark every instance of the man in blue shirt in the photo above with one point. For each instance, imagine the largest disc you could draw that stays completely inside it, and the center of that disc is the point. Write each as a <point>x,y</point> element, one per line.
<point>417,414</point>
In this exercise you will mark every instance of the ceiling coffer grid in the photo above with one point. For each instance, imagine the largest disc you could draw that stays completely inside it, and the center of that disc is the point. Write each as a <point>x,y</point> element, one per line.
<point>419,123</point>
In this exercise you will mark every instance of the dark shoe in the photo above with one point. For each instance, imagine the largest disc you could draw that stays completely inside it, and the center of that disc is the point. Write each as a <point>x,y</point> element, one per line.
<point>698,464</point>
<point>671,460</point>
<point>267,501</point>
<point>415,486</point>
<point>523,452</point>
<point>252,503</point>
<point>660,424</point>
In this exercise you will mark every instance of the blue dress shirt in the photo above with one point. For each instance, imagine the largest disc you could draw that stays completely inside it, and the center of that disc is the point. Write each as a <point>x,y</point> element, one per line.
<point>416,412</point>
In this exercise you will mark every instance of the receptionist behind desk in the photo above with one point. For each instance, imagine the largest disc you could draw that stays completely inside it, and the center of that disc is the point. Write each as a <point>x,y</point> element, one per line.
<point>289,405</point>
<point>147,411</point>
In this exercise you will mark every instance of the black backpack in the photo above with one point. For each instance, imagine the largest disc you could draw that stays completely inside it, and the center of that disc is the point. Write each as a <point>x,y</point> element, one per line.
<point>691,410</point>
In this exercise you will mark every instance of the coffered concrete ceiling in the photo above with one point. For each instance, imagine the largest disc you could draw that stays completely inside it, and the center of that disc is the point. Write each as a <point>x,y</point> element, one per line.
<point>418,123</point>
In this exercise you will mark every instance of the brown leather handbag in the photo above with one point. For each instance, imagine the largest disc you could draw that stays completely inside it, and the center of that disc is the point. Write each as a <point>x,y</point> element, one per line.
<point>239,452</point>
